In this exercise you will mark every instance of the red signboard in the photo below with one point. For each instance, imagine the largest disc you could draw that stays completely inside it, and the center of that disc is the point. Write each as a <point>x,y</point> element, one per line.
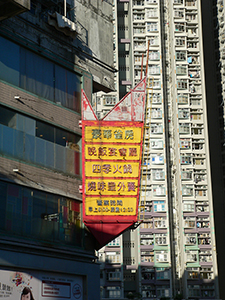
<point>111,160</point>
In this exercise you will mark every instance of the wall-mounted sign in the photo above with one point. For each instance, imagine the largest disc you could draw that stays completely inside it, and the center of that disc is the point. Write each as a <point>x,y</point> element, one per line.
<point>42,286</point>
<point>112,151</point>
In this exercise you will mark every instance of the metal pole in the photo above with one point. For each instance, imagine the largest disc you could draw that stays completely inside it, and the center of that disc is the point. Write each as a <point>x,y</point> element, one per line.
<point>64,8</point>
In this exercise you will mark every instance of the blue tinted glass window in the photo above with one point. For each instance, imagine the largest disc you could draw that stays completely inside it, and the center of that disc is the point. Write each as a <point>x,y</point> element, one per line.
<point>39,143</point>
<point>8,140</point>
<point>9,61</point>
<point>38,75</point>
<point>39,215</point>
<point>29,148</point>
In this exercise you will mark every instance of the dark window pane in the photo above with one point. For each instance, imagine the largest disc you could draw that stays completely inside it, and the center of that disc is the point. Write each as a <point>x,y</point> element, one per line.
<point>67,88</point>
<point>45,131</point>
<point>29,150</point>
<point>50,154</point>
<point>10,61</point>
<point>3,197</point>
<point>8,145</point>
<point>37,74</point>
<point>40,151</point>
<point>7,117</point>
<point>18,144</point>
<point>60,156</point>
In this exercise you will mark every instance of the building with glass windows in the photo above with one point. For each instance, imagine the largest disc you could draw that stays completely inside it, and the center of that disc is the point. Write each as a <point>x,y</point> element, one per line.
<point>177,251</point>
<point>47,55</point>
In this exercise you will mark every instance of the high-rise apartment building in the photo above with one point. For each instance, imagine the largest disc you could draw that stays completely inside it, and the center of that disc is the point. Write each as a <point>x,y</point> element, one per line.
<point>177,250</point>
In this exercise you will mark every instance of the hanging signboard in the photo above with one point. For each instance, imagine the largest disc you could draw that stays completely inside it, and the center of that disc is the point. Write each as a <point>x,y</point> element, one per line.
<point>112,151</point>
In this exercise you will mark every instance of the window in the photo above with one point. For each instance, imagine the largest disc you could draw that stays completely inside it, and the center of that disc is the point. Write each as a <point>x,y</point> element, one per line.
<point>178,13</point>
<point>193,274</point>
<point>209,292</point>
<point>154,55</point>
<point>110,100</point>
<point>190,2</point>
<point>101,257</point>
<point>115,242</point>
<point>151,13</point>
<point>138,30</point>
<point>189,206</point>
<point>205,256</point>
<point>146,239</point>
<point>187,190</point>
<point>185,159</point>
<point>113,292</point>
<point>203,222</point>
<point>147,275</point>
<point>112,257</point>
<point>182,98</point>
<point>148,291</point>
<point>180,55</point>
<point>138,17</point>
<point>156,128</point>
<point>152,1</point>
<point>156,113</point>
<point>184,128</point>
<point>159,206</point>
<point>37,215</point>
<point>206,273</point>
<point>186,175</point>
<point>162,275</point>
<point>189,222</point>
<point>202,206</point>
<point>130,261</point>
<point>197,131</point>
<point>155,84</point>
<point>181,70</point>
<point>154,41</point>
<point>180,27</point>
<point>146,225</point>
<point>197,146</point>
<point>158,174</point>
<point>152,27</point>
<point>147,258</point>
<point>180,41</point>
<point>139,44</point>
<point>160,239</point>
<point>157,144</point>
<point>199,161</point>
<point>161,256</point>
<point>183,113</point>
<point>190,239</point>
<point>113,276</point>
<point>201,193</point>
<point>191,256</point>
<point>156,98</point>
<point>185,143</point>
<point>159,190</point>
<point>157,159</point>
<point>37,142</point>
<point>182,84</point>
<point>196,116</point>
<point>160,222</point>
<point>38,75</point>
<point>153,69</point>
<point>194,290</point>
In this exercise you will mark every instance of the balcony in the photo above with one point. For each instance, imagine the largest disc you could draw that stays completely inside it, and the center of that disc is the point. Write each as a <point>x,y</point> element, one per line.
<point>35,150</point>
<point>61,23</point>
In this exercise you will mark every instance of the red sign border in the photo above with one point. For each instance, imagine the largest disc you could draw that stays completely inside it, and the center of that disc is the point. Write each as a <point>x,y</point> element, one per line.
<point>108,218</point>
